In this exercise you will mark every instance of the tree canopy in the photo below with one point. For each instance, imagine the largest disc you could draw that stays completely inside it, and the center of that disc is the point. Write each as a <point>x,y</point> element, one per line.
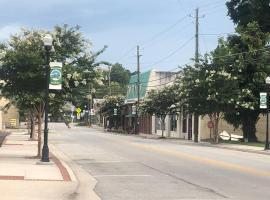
<point>243,12</point>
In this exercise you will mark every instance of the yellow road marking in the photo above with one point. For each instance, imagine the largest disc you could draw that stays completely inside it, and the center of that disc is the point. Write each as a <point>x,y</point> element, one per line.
<point>208,161</point>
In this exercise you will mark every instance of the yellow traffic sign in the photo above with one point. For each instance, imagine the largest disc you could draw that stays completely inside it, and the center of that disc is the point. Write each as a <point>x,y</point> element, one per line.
<point>78,110</point>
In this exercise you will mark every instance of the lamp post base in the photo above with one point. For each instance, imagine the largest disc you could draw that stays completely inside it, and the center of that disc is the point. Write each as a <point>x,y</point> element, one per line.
<point>45,154</point>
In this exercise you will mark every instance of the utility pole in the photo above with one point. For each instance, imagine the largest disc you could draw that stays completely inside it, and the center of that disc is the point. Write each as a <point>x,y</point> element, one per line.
<point>110,89</point>
<point>138,92</point>
<point>196,117</point>
<point>89,105</point>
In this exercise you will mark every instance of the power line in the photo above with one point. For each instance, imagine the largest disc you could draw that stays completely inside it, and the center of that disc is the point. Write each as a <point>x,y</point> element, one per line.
<point>150,44</point>
<point>266,49</point>
<point>173,53</point>
<point>166,30</point>
<point>157,35</point>
<point>214,34</point>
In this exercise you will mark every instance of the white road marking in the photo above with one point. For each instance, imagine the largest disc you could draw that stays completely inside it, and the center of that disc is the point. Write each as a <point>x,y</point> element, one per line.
<point>122,175</point>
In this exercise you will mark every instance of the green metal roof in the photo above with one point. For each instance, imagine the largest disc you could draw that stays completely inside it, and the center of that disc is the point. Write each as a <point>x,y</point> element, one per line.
<point>132,87</point>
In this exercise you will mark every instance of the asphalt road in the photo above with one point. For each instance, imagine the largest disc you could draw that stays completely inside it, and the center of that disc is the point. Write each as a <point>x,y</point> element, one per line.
<point>134,168</point>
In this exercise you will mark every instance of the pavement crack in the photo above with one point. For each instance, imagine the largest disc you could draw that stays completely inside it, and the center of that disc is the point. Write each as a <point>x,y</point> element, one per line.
<point>186,181</point>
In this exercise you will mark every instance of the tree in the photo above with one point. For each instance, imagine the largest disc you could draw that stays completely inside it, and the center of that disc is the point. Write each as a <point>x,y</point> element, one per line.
<point>207,89</point>
<point>23,72</point>
<point>108,106</point>
<point>119,74</point>
<point>242,12</point>
<point>249,57</point>
<point>159,103</point>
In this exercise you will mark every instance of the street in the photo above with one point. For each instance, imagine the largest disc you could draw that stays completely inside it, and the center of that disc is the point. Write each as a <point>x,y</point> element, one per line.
<point>131,167</point>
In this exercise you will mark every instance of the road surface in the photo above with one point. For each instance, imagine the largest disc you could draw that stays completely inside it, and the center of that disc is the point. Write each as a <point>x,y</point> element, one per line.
<point>135,168</point>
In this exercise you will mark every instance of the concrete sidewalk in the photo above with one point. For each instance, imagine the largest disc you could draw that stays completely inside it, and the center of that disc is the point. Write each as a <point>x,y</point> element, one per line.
<point>235,147</point>
<point>23,176</point>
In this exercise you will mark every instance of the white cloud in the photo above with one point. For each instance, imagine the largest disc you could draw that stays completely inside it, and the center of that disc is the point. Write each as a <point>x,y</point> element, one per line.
<point>6,31</point>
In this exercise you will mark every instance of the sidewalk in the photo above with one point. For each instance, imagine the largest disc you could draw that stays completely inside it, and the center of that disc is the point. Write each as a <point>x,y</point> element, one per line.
<point>22,176</point>
<point>235,147</point>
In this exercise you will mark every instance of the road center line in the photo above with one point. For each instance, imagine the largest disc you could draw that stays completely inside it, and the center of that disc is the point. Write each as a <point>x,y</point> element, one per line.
<point>208,161</point>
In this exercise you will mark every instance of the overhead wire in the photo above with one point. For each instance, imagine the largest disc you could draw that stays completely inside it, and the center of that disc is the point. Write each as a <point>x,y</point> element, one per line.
<point>215,57</point>
<point>173,52</point>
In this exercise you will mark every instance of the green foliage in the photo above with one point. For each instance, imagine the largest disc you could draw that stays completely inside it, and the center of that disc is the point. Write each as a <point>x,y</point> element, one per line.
<point>249,55</point>
<point>23,70</point>
<point>110,103</point>
<point>119,74</point>
<point>159,102</point>
<point>242,12</point>
<point>206,89</point>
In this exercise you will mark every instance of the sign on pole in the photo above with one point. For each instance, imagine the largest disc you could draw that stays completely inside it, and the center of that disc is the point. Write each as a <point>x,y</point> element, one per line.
<point>133,110</point>
<point>263,100</point>
<point>78,110</point>
<point>115,111</point>
<point>72,108</point>
<point>55,76</point>
<point>92,112</point>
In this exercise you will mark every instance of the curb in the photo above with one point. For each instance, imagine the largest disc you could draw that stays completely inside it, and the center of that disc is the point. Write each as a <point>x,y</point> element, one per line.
<point>219,147</point>
<point>85,183</point>
<point>241,150</point>
<point>267,153</point>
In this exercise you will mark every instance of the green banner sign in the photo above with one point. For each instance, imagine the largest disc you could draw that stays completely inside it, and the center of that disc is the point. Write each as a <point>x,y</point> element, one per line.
<point>55,76</point>
<point>263,100</point>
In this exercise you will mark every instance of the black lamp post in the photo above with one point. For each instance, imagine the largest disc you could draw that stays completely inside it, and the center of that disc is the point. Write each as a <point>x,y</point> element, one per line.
<point>267,81</point>
<point>47,40</point>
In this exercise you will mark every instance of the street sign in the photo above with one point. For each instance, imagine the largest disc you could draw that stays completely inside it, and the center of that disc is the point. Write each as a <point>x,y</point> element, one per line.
<point>210,124</point>
<point>92,112</point>
<point>115,111</point>
<point>263,100</point>
<point>267,80</point>
<point>72,108</point>
<point>55,76</point>
<point>133,110</point>
<point>78,110</point>
<point>78,116</point>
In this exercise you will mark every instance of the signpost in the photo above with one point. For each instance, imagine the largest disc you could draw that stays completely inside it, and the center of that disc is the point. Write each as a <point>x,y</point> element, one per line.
<point>78,110</point>
<point>263,100</point>
<point>115,111</point>
<point>210,125</point>
<point>133,110</point>
<point>55,76</point>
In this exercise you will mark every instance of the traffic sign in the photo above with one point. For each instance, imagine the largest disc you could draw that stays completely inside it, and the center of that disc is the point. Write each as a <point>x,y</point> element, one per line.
<point>78,110</point>
<point>263,100</point>
<point>92,112</point>
<point>210,124</point>
<point>115,111</point>
<point>133,110</point>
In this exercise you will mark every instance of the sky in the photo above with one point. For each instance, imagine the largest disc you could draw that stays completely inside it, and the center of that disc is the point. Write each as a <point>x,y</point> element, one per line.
<point>164,29</point>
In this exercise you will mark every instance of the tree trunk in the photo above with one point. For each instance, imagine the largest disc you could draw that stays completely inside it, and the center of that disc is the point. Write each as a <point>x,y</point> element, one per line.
<point>162,127</point>
<point>28,124</point>
<point>249,127</point>
<point>39,134</point>
<point>33,134</point>
<point>215,120</point>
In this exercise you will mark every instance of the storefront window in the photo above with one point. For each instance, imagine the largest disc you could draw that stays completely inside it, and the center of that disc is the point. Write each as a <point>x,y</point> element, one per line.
<point>173,122</point>
<point>184,123</point>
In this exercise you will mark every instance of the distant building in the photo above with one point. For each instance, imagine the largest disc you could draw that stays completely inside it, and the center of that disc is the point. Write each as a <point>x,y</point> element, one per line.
<point>150,80</point>
<point>9,115</point>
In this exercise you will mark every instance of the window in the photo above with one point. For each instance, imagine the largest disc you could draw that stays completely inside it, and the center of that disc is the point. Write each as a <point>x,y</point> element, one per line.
<point>173,122</point>
<point>184,123</point>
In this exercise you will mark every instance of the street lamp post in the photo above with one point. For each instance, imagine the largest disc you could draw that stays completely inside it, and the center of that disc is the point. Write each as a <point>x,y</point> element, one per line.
<point>267,81</point>
<point>47,40</point>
